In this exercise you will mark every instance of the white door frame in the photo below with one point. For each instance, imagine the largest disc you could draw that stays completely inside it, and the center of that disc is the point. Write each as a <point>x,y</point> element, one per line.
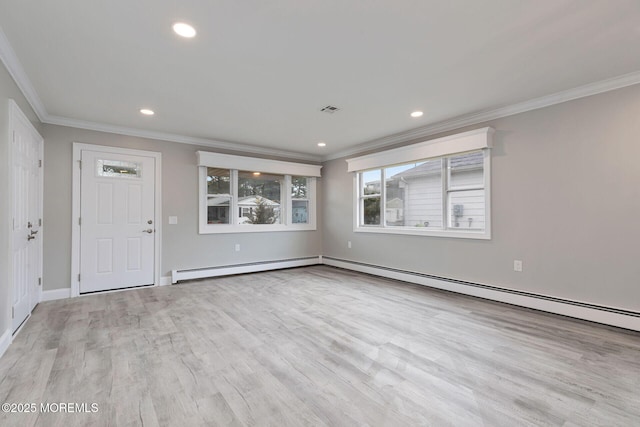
<point>75,210</point>
<point>16,114</point>
<point>40,285</point>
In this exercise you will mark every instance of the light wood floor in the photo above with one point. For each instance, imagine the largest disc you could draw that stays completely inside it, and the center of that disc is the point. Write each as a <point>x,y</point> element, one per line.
<point>317,346</point>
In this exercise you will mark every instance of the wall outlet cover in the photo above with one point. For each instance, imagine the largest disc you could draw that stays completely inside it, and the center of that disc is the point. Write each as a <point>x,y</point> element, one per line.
<point>517,265</point>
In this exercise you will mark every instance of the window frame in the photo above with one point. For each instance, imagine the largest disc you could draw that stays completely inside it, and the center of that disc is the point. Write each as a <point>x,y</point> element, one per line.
<point>308,198</point>
<point>282,208</point>
<point>449,189</point>
<point>442,148</point>
<point>263,166</point>
<point>207,194</point>
<point>362,197</point>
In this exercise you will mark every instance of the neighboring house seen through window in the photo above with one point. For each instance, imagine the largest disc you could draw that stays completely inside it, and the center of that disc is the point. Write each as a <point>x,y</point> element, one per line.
<point>437,195</point>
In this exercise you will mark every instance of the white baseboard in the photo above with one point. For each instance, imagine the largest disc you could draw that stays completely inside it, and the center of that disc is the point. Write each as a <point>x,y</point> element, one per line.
<point>5,340</point>
<point>200,273</point>
<point>165,280</point>
<point>55,294</point>
<point>600,314</point>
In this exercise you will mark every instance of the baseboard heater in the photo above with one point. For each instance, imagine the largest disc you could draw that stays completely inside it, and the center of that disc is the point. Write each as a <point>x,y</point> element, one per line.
<point>253,267</point>
<point>596,313</point>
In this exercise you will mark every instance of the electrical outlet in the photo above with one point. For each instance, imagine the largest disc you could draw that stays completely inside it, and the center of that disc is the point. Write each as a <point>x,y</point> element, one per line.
<point>517,265</point>
<point>349,244</point>
<point>237,247</point>
<point>173,220</point>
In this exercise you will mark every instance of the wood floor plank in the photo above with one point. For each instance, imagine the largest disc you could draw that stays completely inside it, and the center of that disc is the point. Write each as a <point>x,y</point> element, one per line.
<point>316,346</point>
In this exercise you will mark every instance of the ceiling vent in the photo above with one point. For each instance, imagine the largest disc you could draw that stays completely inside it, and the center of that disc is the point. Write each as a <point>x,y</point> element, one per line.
<point>329,109</point>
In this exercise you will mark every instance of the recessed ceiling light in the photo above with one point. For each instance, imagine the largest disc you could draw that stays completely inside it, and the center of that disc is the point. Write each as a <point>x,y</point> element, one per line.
<point>256,174</point>
<point>416,114</point>
<point>147,112</point>
<point>322,144</point>
<point>184,30</point>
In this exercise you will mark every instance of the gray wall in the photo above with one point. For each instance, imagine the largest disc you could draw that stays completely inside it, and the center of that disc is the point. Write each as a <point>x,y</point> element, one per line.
<point>565,195</point>
<point>565,184</point>
<point>182,246</point>
<point>8,90</point>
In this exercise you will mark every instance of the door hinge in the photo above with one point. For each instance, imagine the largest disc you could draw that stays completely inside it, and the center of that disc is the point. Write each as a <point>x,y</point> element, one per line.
<point>78,277</point>
<point>39,163</point>
<point>79,220</point>
<point>13,312</point>
<point>80,164</point>
<point>39,281</point>
<point>39,222</point>
<point>13,138</point>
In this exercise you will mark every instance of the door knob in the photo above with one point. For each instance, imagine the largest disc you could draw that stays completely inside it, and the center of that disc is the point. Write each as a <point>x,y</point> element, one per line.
<point>33,232</point>
<point>148,230</point>
<point>30,237</point>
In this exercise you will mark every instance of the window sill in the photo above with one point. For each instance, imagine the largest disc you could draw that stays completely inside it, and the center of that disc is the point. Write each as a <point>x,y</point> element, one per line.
<point>266,228</point>
<point>457,234</point>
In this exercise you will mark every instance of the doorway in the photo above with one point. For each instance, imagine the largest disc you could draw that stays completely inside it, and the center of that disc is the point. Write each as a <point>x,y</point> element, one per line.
<point>116,200</point>
<point>25,266</point>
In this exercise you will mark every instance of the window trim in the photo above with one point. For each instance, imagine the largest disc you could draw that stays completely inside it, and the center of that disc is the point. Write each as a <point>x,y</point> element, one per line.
<point>459,143</point>
<point>286,206</point>
<point>480,139</point>
<point>228,161</point>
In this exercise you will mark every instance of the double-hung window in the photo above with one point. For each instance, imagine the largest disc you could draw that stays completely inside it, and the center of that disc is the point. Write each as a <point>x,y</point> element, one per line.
<point>245,194</point>
<point>300,199</point>
<point>218,196</point>
<point>435,188</point>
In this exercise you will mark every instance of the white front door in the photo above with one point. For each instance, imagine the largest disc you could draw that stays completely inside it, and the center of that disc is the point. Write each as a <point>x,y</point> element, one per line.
<point>117,221</point>
<point>26,243</point>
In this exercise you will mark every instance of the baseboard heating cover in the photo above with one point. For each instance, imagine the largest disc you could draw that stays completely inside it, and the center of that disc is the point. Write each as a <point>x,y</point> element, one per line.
<point>253,267</point>
<point>580,310</point>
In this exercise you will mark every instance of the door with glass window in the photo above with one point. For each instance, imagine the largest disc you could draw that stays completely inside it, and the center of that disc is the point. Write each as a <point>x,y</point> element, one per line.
<point>117,221</point>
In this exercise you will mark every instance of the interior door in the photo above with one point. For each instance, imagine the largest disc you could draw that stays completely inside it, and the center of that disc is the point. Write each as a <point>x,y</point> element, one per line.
<point>117,221</point>
<point>34,224</point>
<point>26,201</point>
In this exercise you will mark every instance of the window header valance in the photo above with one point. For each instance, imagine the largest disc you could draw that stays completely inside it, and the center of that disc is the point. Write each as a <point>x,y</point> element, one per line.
<point>452,144</point>
<point>228,161</point>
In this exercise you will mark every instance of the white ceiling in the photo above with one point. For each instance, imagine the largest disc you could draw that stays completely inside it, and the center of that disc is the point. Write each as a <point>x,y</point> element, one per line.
<point>258,72</point>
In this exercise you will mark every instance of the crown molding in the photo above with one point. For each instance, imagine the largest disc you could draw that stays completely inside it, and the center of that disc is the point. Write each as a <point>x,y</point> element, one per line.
<point>181,139</point>
<point>484,116</point>
<point>14,67</point>
<point>17,72</point>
